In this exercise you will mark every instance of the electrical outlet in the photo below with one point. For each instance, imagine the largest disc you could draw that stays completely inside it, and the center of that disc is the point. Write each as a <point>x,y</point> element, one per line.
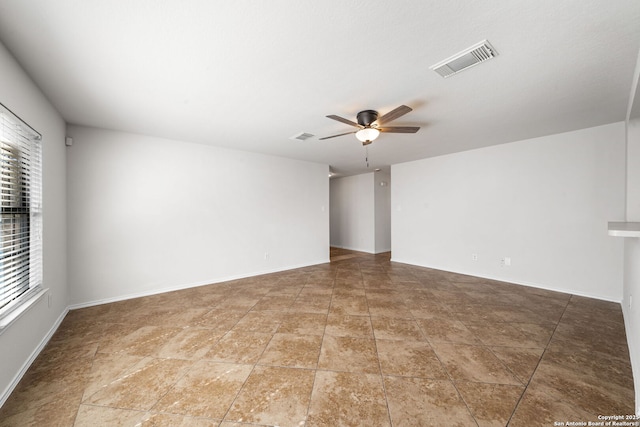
<point>505,262</point>
<point>266,255</point>
<point>474,257</point>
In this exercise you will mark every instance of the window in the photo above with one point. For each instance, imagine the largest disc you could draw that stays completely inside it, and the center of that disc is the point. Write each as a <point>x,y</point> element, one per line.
<point>20,212</point>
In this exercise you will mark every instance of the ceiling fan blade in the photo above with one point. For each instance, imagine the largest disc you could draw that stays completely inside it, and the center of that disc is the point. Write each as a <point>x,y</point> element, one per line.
<point>333,136</point>
<point>343,120</point>
<point>400,129</point>
<point>394,114</point>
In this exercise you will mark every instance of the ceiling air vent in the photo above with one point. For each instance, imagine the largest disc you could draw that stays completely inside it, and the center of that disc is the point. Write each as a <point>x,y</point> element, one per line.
<point>302,136</point>
<point>474,55</point>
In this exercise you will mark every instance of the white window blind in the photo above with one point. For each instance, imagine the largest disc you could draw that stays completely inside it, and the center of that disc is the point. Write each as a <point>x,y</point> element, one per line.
<point>20,211</point>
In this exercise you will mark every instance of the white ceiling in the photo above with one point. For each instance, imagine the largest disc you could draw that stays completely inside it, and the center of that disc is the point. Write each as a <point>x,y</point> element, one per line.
<point>250,74</point>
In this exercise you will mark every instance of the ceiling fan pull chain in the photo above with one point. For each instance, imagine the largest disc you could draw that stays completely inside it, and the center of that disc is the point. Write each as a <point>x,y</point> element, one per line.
<point>366,155</point>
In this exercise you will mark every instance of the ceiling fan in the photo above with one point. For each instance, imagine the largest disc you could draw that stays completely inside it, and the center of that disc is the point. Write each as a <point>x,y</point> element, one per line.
<point>369,125</point>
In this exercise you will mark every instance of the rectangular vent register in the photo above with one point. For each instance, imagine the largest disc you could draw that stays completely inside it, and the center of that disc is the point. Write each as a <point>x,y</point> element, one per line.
<point>474,55</point>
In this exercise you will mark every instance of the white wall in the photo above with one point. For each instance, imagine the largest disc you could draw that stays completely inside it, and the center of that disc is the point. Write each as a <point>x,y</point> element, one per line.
<point>633,169</point>
<point>631,291</point>
<point>352,213</point>
<point>631,300</point>
<point>148,214</point>
<point>543,202</point>
<point>361,212</point>
<point>21,341</point>
<point>631,312</point>
<point>382,194</point>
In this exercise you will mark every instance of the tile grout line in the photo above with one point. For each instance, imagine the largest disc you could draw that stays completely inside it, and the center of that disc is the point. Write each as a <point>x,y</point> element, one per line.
<point>451,380</point>
<point>366,277</point>
<point>375,343</point>
<point>244,383</point>
<point>172,387</point>
<point>526,387</point>
<point>488,348</point>
<point>315,373</point>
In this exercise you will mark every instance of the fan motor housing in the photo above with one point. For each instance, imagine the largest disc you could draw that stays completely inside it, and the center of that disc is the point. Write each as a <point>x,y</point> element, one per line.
<point>366,117</point>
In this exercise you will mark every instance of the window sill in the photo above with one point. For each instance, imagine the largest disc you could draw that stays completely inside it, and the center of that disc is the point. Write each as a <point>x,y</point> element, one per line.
<point>15,314</point>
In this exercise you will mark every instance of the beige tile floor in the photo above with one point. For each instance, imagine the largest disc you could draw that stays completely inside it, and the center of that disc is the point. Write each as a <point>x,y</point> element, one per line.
<point>357,342</point>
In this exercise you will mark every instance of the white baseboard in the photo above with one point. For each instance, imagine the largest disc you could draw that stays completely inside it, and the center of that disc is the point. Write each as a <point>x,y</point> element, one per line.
<point>349,248</point>
<point>382,251</point>
<point>515,282</point>
<point>633,347</point>
<point>27,364</point>
<point>188,285</point>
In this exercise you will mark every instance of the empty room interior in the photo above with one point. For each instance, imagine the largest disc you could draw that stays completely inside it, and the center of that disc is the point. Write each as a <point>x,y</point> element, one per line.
<point>336,213</point>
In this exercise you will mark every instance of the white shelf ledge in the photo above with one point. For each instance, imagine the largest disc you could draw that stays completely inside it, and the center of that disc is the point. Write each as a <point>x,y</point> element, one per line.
<point>624,229</point>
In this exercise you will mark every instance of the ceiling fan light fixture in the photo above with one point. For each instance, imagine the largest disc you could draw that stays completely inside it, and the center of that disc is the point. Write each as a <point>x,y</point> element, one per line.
<point>367,134</point>
<point>369,125</point>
